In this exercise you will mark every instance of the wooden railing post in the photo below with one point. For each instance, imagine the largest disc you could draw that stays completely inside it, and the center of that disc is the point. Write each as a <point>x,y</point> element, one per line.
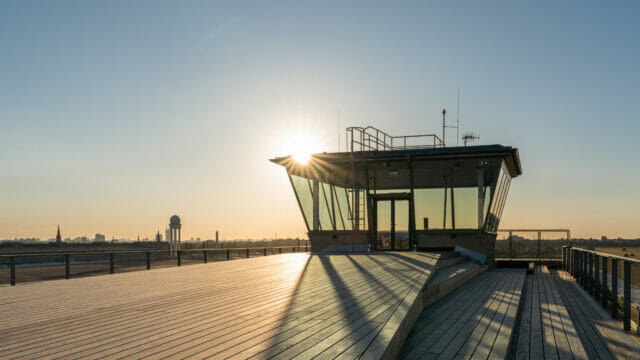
<point>265,251</point>
<point>204,256</point>
<point>228,255</point>
<point>111,265</point>
<point>179,257</point>
<point>247,250</point>
<point>605,289</point>
<point>12,265</point>
<point>66,266</point>
<point>279,250</point>
<point>148,260</point>
<point>626,301</point>
<point>614,288</point>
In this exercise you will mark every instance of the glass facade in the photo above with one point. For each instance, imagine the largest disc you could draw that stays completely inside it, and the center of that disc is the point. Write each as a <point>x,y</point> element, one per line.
<point>499,199</point>
<point>445,208</point>
<point>337,205</point>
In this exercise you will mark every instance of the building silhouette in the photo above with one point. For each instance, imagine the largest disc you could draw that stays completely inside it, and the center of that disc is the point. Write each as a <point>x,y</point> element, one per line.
<point>58,237</point>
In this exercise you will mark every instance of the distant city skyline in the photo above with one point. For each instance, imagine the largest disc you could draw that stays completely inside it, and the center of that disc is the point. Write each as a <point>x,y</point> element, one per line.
<point>115,114</point>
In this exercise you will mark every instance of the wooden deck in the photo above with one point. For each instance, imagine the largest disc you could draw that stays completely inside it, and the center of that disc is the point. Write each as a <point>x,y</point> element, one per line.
<point>282,306</point>
<point>476,321</point>
<point>601,336</point>
<point>546,330</point>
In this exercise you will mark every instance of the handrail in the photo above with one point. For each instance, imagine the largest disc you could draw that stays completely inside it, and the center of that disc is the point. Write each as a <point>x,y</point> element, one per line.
<point>610,256</point>
<point>372,139</point>
<point>584,265</point>
<point>111,254</point>
<point>53,253</point>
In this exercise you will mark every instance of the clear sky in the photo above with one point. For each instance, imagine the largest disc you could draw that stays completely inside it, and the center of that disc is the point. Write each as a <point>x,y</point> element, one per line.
<point>117,114</point>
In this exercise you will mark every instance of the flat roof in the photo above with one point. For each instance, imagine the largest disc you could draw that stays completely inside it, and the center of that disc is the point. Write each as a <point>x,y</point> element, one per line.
<point>510,155</point>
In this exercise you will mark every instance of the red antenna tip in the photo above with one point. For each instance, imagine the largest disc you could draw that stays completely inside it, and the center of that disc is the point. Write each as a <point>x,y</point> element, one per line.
<point>444,110</point>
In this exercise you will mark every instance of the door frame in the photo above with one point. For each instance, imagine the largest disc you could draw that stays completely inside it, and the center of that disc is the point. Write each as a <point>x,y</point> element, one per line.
<point>393,197</point>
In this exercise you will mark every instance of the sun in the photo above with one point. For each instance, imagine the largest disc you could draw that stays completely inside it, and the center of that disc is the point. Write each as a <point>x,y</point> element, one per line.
<point>300,145</point>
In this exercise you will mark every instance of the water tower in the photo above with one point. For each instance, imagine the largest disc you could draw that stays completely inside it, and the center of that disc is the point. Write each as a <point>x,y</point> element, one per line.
<point>175,231</point>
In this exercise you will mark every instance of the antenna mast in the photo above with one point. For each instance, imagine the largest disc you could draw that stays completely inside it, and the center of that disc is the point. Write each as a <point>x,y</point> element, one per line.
<point>458,120</point>
<point>444,111</point>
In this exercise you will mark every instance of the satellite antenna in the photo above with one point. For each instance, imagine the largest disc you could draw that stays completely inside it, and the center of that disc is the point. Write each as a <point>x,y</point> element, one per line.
<point>468,137</point>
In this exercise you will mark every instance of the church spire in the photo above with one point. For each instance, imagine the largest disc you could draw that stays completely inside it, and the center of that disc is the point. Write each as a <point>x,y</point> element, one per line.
<point>58,237</point>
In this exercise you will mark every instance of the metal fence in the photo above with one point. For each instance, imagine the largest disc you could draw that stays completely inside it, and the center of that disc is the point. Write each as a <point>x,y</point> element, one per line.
<point>64,265</point>
<point>532,243</point>
<point>613,280</point>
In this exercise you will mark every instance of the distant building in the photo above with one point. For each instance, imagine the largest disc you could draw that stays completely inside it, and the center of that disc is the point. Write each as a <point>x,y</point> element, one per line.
<point>158,237</point>
<point>58,237</point>
<point>167,235</point>
<point>100,238</point>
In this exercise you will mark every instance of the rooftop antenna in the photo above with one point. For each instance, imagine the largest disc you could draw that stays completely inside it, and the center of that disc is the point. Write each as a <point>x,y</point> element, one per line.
<point>458,121</point>
<point>444,126</point>
<point>444,112</point>
<point>468,137</point>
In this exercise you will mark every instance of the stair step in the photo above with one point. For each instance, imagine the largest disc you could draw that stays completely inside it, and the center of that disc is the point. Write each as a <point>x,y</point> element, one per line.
<point>450,260</point>
<point>448,279</point>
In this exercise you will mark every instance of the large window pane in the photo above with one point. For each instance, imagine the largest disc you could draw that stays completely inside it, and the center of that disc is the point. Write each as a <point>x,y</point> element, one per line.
<point>429,203</point>
<point>343,216</point>
<point>326,215</point>
<point>302,189</point>
<point>466,207</point>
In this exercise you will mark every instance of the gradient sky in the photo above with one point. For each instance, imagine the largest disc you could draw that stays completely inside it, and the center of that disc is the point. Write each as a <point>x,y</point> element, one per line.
<point>116,114</point>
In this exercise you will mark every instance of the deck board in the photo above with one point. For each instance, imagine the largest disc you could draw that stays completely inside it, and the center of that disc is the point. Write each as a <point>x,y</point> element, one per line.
<point>280,306</point>
<point>467,322</point>
<point>545,330</point>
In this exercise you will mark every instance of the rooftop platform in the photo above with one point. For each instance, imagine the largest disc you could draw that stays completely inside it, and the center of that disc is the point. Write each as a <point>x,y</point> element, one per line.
<point>325,306</point>
<point>281,306</point>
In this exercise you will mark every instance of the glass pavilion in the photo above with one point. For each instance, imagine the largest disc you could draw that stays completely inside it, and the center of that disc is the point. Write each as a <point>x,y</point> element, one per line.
<point>388,196</point>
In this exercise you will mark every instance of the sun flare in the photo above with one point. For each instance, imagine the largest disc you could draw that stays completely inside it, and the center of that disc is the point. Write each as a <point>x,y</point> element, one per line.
<point>300,145</point>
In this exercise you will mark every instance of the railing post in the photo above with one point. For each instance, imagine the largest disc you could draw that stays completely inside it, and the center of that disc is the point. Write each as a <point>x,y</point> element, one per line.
<point>247,250</point>
<point>179,257</point>
<point>66,266</point>
<point>204,256</point>
<point>148,260</point>
<point>265,251</point>
<point>596,276</point>
<point>626,302</point>
<point>614,288</point>
<point>293,249</point>
<point>12,261</point>
<point>279,250</point>
<point>111,265</point>
<point>228,255</point>
<point>510,242</point>
<point>605,288</point>
<point>591,284</point>
<point>539,243</point>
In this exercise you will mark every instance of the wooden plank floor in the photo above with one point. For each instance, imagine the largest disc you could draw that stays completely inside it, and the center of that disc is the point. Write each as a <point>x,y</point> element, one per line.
<point>601,336</point>
<point>474,322</point>
<point>281,306</point>
<point>546,330</point>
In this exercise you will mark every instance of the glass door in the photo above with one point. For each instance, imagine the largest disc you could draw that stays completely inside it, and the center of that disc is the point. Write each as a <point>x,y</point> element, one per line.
<point>392,224</point>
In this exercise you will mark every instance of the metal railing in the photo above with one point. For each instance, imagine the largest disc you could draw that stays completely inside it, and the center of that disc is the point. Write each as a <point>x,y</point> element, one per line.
<point>112,256</point>
<point>514,247</point>
<point>372,139</point>
<point>599,273</point>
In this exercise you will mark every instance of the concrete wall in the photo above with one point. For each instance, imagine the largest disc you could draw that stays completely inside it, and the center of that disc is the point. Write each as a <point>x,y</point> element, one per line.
<point>479,241</point>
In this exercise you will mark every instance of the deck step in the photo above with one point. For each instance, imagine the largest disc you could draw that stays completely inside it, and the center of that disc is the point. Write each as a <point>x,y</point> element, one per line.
<point>452,259</point>
<point>449,278</point>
